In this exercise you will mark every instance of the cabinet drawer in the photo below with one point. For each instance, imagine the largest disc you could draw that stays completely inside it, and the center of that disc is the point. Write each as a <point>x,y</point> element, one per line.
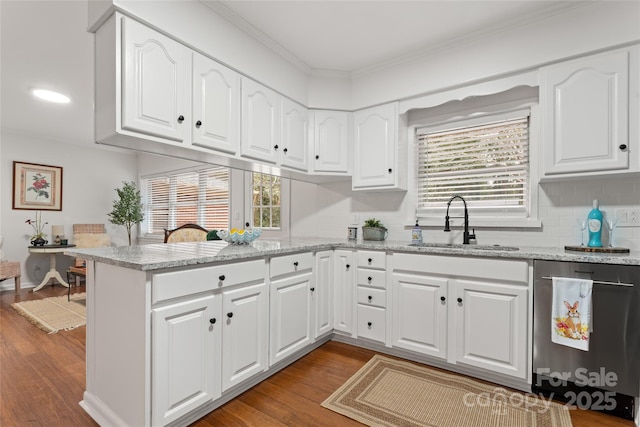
<point>186,282</point>
<point>373,278</point>
<point>288,264</point>
<point>372,259</point>
<point>372,297</point>
<point>372,323</point>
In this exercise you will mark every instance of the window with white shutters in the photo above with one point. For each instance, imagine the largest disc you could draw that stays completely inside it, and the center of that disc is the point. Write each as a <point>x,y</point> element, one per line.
<point>486,162</point>
<point>199,197</point>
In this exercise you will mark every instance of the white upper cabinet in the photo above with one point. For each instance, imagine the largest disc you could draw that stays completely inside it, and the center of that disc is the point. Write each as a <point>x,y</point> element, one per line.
<point>331,142</point>
<point>216,105</point>
<point>585,106</point>
<point>379,160</point>
<point>261,124</point>
<point>155,83</point>
<point>295,136</point>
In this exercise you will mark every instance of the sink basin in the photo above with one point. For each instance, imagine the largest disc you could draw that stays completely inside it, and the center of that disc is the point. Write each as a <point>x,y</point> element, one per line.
<point>468,247</point>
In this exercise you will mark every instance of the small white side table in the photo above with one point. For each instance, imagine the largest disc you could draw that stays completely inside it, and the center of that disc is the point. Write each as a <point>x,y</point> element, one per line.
<point>53,273</point>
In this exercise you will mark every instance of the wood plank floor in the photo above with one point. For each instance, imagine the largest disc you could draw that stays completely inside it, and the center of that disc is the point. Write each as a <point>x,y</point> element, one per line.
<point>42,378</point>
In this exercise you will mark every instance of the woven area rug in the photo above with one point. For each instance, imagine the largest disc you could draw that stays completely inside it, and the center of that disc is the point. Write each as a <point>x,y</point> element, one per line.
<point>55,313</point>
<point>389,392</point>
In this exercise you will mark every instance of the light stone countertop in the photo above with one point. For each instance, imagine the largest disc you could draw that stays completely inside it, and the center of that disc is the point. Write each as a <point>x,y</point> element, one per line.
<point>164,256</point>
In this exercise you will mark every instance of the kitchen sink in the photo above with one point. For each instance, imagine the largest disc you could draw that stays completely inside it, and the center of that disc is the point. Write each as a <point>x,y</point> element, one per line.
<point>468,247</point>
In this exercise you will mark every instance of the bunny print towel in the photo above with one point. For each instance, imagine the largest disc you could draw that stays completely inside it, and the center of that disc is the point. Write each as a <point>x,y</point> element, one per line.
<point>571,312</point>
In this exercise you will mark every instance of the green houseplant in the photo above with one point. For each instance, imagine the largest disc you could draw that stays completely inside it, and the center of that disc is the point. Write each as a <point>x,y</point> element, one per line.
<point>127,210</point>
<point>373,229</point>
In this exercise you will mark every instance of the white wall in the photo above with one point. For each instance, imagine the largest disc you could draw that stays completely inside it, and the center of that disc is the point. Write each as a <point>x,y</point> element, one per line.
<point>90,176</point>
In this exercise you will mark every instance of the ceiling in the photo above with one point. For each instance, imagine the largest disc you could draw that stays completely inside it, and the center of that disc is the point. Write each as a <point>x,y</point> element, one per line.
<point>45,44</point>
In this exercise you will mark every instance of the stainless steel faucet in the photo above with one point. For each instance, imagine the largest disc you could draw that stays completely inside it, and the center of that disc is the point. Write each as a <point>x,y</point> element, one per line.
<point>466,236</point>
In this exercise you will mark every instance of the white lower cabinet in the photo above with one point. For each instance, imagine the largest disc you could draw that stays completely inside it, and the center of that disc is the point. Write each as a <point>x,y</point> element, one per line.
<point>470,311</point>
<point>491,326</point>
<point>244,335</point>
<point>186,368</point>
<point>343,289</point>
<point>290,316</point>
<point>420,313</point>
<point>322,294</point>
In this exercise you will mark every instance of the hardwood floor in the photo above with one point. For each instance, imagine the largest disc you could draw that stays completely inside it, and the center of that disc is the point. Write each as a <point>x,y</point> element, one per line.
<point>42,381</point>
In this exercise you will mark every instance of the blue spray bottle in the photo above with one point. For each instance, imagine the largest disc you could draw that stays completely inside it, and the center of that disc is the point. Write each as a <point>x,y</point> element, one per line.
<point>594,220</point>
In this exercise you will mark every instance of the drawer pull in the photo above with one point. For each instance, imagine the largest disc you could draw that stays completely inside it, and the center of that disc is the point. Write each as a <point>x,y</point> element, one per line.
<point>369,279</point>
<point>313,289</point>
<point>370,298</point>
<point>348,266</point>
<point>443,299</point>
<point>222,278</point>
<point>229,315</point>
<point>295,264</point>
<point>460,300</point>
<point>369,324</point>
<point>370,260</point>
<point>212,320</point>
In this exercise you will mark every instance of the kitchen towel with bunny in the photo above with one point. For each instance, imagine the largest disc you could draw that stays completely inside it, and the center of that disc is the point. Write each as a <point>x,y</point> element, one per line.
<point>571,312</point>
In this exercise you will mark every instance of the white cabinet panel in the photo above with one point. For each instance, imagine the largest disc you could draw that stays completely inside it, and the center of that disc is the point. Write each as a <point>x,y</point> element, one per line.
<point>155,83</point>
<point>585,107</point>
<point>186,368</point>
<point>216,105</point>
<point>331,141</point>
<point>343,291</point>
<point>372,323</point>
<point>245,332</point>
<point>295,135</point>
<point>261,124</point>
<point>491,323</point>
<point>322,293</point>
<point>290,316</point>
<point>420,313</point>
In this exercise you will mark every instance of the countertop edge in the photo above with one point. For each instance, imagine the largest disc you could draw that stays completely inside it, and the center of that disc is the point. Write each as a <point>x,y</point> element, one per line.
<point>161,256</point>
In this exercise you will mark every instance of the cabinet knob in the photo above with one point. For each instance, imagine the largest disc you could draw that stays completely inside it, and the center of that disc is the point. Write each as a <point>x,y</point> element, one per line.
<point>295,263</point>
<point>222,278</point>
<point>180,118</point>
<point>369,278</point>
<point>369,324</point>
<point>246,224</point>
<point>390,170</point>
<point>370,298</point>
<point>212,320</point>
<point>348,266</point>
<point>229,315</point>
<point>285,150</point>
<point>313,289</point>
<point>442,299</point>
<point>198,123</point>
<point>317,157</point>
<point>370,260</point>
<point>275,147</point>
<point>623,146</point>
<point>460,300</point>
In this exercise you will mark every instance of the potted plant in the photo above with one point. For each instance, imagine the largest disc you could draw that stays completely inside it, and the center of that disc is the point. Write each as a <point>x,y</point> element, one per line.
<point>38,236</point>
<point>373,229</point>
<point>127,210</point>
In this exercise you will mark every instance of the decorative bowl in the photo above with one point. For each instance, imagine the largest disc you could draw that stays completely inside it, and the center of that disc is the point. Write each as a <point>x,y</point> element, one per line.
<point>239,237</point>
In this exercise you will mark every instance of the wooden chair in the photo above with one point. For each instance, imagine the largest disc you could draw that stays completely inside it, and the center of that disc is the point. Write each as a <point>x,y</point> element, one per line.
<point>85,236</point>
<point>10,270</point>
<point>186,233</point>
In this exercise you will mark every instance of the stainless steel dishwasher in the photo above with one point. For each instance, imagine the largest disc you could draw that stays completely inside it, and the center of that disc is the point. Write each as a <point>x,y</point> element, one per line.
<point>607,376</point>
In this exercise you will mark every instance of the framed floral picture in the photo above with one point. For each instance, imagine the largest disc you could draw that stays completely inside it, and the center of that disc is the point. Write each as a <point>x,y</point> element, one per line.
<point>37,187</point>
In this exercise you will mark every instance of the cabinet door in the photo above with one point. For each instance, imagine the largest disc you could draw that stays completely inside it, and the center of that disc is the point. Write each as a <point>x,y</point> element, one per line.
<point>375,133</point>
<point>216,105</point>
<point>585,106</point>
<point>260,122</point>
<point>156,83</point>
<point>343,290</point>
<point>290,316</point>
<point>185,368</point>
<point>244,336</point>
<point>322,294</point>
<point>295,135</point>
<point>491,326</point>
<point>420,314</point>
<point>331,141</point>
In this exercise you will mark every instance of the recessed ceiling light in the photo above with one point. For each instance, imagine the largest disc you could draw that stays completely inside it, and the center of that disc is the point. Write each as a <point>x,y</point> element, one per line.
<point>51,96</point>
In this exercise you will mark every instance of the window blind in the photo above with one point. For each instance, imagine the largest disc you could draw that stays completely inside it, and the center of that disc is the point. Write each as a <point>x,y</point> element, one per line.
<point>487,164</point>
<point>198,197</point>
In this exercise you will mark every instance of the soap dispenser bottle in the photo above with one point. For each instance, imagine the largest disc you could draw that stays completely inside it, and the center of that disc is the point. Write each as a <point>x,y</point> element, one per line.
<point>416,235</point>
<point>594,221</point>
